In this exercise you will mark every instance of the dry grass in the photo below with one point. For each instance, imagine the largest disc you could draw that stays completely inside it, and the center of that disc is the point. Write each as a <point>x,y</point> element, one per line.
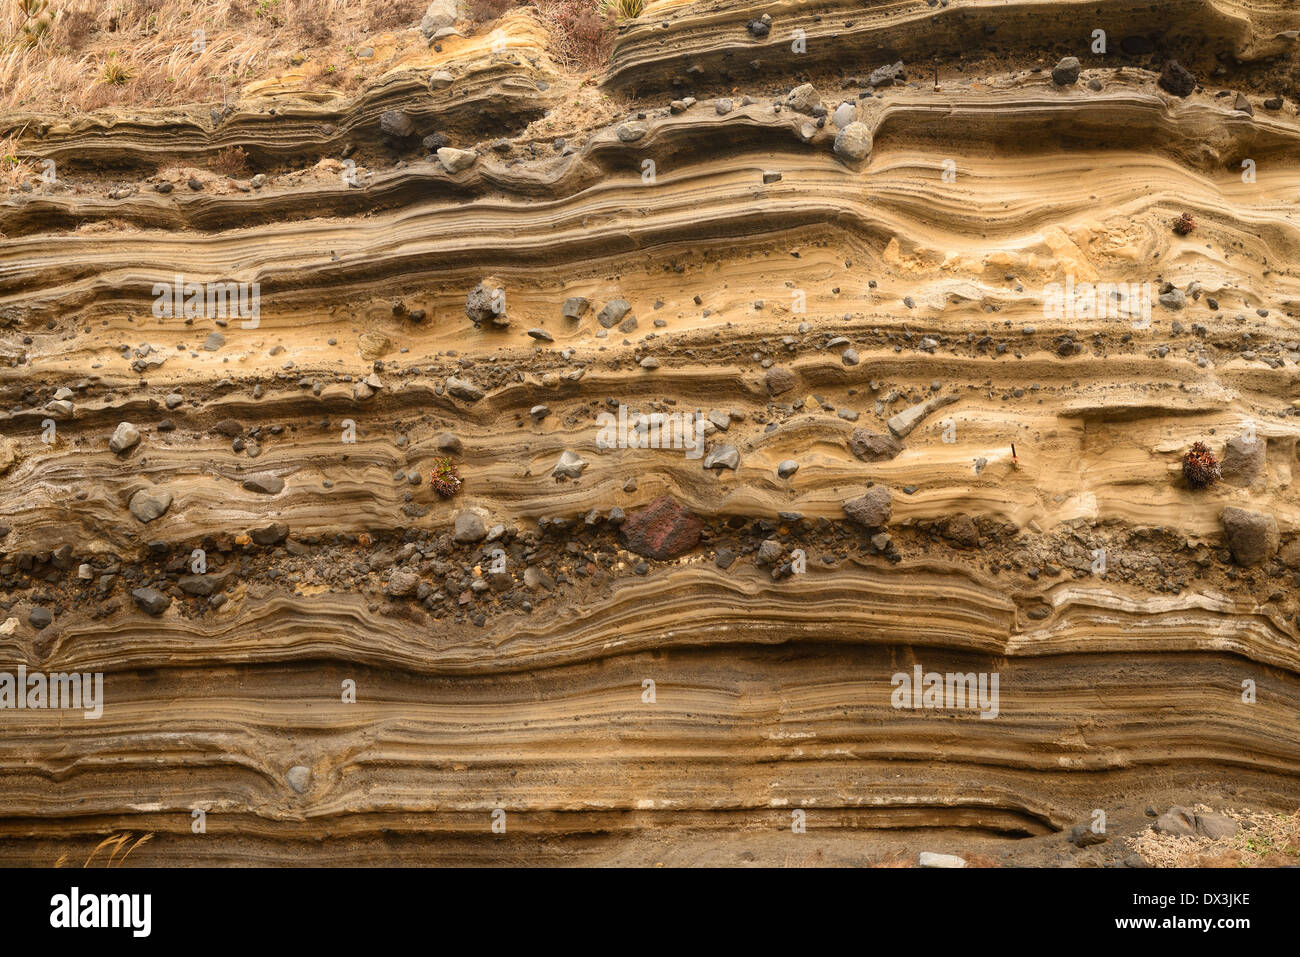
<point>581,37</point>
<point>12,169</point>
<point>117,842</point>
<point>97,54</point>
<point>230,162</point>
<point>1265,840</point>
<point>893,859</point>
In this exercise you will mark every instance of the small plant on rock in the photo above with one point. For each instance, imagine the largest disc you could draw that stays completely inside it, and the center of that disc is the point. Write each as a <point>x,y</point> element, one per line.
<point>1200,467</point>
<point>445,481</point>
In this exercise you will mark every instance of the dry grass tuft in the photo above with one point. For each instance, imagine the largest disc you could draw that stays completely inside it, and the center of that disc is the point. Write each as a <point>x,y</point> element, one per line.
<point>893,859</point>
<point>116,72</point>
<point>12,169</point>
<point>230,162</point>
<point>117,842</point>
<point>581,37</point>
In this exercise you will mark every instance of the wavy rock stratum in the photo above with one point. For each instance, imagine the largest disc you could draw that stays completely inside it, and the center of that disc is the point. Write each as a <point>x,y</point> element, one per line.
<point>945,314</point>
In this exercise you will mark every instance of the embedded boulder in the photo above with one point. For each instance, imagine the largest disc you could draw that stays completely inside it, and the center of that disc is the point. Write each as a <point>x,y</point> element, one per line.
<point>1252,537</point>
<point>1243,461</point>
<point>873,509</point>
<point>854,141</point>
<point>663,529</point>
<point>873,446</point>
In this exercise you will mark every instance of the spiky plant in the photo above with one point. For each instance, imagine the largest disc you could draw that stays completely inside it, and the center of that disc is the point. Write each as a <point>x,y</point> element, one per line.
<point>625,9</point>
<point>1200,467</point>
<point>445,481</point>
<point>116,73</point>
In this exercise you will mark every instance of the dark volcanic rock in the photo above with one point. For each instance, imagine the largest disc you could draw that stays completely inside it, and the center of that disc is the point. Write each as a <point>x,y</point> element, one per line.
<point>397,124</point>
<point>873,509</point>
<point>1081,835</point>
<point>1215,826</point>
<point>1066,72</point>
<point>663,529</point>
<point>1177,821</point>
<point>270,535</point>
<point>961,530</point>
<point>151,600</point>
<point>872,446</point>
<point>203,585</point>
<point>1176,80</point>
<point>613,313</point>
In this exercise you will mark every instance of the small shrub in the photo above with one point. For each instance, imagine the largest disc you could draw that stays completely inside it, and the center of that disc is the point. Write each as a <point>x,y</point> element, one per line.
<point>581,35</point>
<point>445,481</point>
<point>230,162</point>
<point>1200,467</point>
<point>1184,224</point>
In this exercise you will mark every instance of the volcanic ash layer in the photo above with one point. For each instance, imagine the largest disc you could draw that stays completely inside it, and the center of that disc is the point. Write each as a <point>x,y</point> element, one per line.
<point>848,285</point>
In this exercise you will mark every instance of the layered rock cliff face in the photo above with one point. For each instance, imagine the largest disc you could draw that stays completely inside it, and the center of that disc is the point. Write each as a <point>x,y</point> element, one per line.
<point>943,310</point>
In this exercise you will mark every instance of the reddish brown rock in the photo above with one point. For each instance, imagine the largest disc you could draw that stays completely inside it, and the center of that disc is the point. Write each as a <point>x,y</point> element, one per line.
<point>663,529</point>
